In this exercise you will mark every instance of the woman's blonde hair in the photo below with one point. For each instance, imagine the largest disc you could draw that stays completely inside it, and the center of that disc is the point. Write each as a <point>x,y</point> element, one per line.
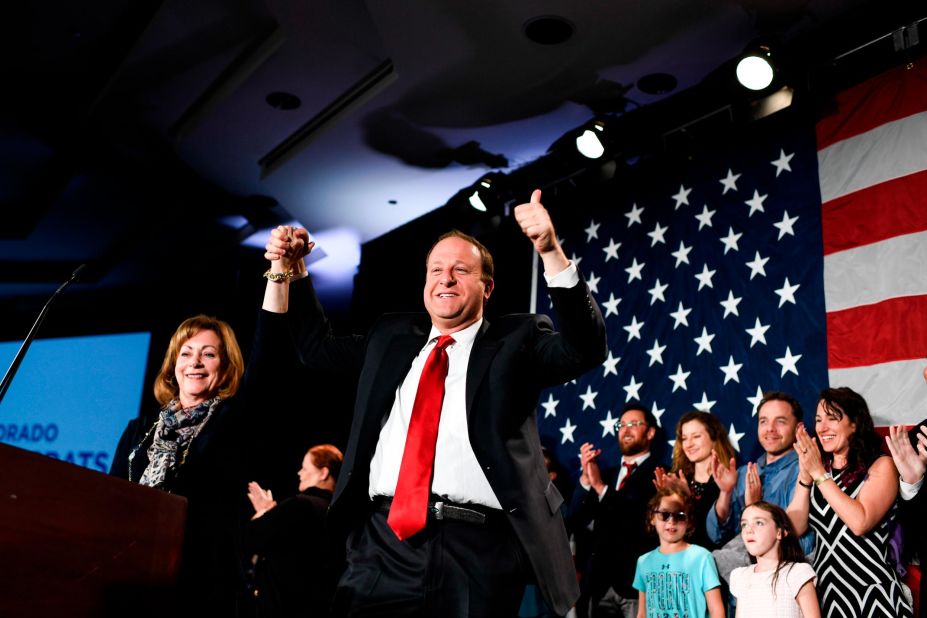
<point>231,364</point>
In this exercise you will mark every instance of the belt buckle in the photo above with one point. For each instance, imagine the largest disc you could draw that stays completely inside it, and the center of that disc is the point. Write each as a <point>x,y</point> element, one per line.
<point>439,510</point>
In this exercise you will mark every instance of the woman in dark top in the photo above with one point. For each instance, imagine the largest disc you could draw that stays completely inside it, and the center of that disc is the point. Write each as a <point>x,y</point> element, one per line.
<point>193,447</point>
<point>698,434</point>
<point>298,562</point>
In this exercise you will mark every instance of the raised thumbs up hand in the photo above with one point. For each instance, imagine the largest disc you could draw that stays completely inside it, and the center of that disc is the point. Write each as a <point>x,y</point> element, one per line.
<point>536,224</point>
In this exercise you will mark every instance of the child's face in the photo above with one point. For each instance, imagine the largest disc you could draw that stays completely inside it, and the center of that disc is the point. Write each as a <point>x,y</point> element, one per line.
<point>759,531</point>
<point>673,529</point>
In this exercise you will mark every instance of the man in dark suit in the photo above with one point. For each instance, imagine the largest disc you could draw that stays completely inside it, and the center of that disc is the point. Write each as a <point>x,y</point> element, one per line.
<point>615,504</point>
<point>909,451</point>
<point>493,516</point>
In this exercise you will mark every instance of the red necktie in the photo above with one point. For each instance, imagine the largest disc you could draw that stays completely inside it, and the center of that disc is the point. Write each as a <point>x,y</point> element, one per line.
<point>409,509</point>
<point>631,467</point>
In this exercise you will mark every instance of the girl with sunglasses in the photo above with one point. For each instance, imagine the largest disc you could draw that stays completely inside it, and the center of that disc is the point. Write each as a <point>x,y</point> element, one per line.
<point>677,578</point>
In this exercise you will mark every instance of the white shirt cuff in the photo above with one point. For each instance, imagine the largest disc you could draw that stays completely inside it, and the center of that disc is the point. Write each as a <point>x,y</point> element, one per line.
<point>566,278</point>
<point>909,490</point>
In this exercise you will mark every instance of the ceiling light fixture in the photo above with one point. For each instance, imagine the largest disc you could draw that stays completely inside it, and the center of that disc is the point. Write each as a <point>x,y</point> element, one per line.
<point>755,69</point>
<point>589,142</point>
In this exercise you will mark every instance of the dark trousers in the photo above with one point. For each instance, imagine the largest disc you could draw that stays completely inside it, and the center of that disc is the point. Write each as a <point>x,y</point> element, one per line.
<point>451,569</point>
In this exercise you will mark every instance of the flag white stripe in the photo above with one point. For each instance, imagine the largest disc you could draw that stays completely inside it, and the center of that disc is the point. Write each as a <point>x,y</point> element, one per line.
<point>890,151</point>
<point>896,392</point>
<point>872,273</point>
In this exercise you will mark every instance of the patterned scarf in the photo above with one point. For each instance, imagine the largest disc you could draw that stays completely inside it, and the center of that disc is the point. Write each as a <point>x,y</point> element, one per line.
<point>175,430</point>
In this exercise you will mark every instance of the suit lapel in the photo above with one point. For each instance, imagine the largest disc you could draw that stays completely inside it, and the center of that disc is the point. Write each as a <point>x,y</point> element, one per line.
<point>484,349</point>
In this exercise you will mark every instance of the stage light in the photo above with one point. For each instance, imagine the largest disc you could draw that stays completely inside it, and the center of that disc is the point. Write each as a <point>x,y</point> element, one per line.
<point>589,143</point>
<point>755,69</point>
<point>487,194</point>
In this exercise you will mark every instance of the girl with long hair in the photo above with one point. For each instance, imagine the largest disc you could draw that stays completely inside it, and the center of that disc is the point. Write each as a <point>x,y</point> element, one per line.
<point>778,582</point>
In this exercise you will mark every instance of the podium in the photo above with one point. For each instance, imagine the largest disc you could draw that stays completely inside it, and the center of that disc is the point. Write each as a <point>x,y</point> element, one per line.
<point>76,543</point>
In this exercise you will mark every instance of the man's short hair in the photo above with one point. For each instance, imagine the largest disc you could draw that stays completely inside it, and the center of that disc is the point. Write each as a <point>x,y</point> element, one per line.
<point>781,396</point>
<point>649,418</point>
<point>485,255</point>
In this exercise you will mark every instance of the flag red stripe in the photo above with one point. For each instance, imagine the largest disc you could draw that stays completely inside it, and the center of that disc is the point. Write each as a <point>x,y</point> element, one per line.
<point>894,94</point>
<point>883,211</point>
<point>892,330</point>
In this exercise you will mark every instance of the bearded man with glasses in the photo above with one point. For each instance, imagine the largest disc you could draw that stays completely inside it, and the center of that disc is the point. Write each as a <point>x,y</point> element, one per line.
<point>613,504</point>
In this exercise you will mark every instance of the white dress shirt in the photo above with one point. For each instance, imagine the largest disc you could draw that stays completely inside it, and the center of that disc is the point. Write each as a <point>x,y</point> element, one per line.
<point>457,473</point>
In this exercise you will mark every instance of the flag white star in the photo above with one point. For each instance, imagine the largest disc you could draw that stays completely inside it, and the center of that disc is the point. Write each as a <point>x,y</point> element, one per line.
<point>610,363</point>
<point>682,254</point>
<point>785,226</point>
<point>634,328</point>
<point>787,292</point>
<point>756,399</point>
<point>782,163</point>
<point>657,413</point>
<point>756,202</point>
<point>611,250</point>
<point>567,431</point>
<point>589,397</point>
<point>593,230</point>
<point>550,406</point>
<point>657,235</point>
<point>680,316</point>
<point>704,342</point>
<point>730,241</point>
<point>634,216</point>
<point>593,282</point>
<point>608,424</point>
<point>705,218</point>
<point>757,266</point>
<point>705,405</point>
<point>730,305</point>
<point>576,260</point>
<point>656,353</point>
<point>704,277</point>
<point>789,362</point>
<point>729,181</point>
<point>758,333</point>
<point>682,197</point>
<point>656,292</point>
<point>632,389</point>
<point>611,305</point>
<point>634,271</point>
<point>731,370</point>
<point>734,436</point>
<point>679,378</point>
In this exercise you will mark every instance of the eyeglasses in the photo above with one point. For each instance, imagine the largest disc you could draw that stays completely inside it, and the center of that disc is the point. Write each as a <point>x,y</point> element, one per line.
<point>629,424</point>
<point>667,515</point>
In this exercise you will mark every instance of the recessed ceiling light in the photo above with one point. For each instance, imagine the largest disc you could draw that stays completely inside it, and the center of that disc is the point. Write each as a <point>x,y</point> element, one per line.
<point>657,83</point>
<point>548,30</point>
<point>283,100</point>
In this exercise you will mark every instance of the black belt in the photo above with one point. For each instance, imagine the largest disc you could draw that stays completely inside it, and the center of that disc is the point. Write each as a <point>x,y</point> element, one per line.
<point>442,509</point>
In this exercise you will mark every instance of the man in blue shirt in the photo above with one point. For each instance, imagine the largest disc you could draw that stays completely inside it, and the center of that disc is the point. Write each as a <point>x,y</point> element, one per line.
<point>772,478</point>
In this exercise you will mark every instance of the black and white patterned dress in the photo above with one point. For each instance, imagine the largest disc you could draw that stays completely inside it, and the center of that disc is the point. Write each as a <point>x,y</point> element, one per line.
<point>855,577</point>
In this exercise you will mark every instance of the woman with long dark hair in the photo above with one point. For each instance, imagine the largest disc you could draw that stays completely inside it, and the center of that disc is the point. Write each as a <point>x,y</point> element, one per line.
<point>847,492</point>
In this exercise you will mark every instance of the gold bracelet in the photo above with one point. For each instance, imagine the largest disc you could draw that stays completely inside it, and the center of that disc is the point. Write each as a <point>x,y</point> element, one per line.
<point>824,477</point>
<point>278,277</point>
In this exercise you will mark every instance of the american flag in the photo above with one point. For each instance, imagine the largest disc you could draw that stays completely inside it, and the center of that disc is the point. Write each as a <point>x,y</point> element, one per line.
<point>712,274</point>
<point>873,170</point>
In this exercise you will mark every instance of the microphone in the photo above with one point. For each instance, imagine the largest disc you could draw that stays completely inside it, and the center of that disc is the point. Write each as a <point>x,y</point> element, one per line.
<point>14,366</point>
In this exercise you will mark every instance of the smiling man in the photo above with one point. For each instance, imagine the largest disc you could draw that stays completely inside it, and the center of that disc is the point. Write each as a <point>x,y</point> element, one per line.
<point>444,490</point>
<point>614,505</point>
<point>772,478</point>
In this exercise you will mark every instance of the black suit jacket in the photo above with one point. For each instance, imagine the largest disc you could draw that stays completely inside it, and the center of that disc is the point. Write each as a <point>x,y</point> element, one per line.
<point>511,361</point>
<point>619,534</point>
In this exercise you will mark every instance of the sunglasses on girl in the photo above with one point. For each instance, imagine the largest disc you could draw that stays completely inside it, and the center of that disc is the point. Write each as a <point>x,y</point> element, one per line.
<point>667,515</point>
